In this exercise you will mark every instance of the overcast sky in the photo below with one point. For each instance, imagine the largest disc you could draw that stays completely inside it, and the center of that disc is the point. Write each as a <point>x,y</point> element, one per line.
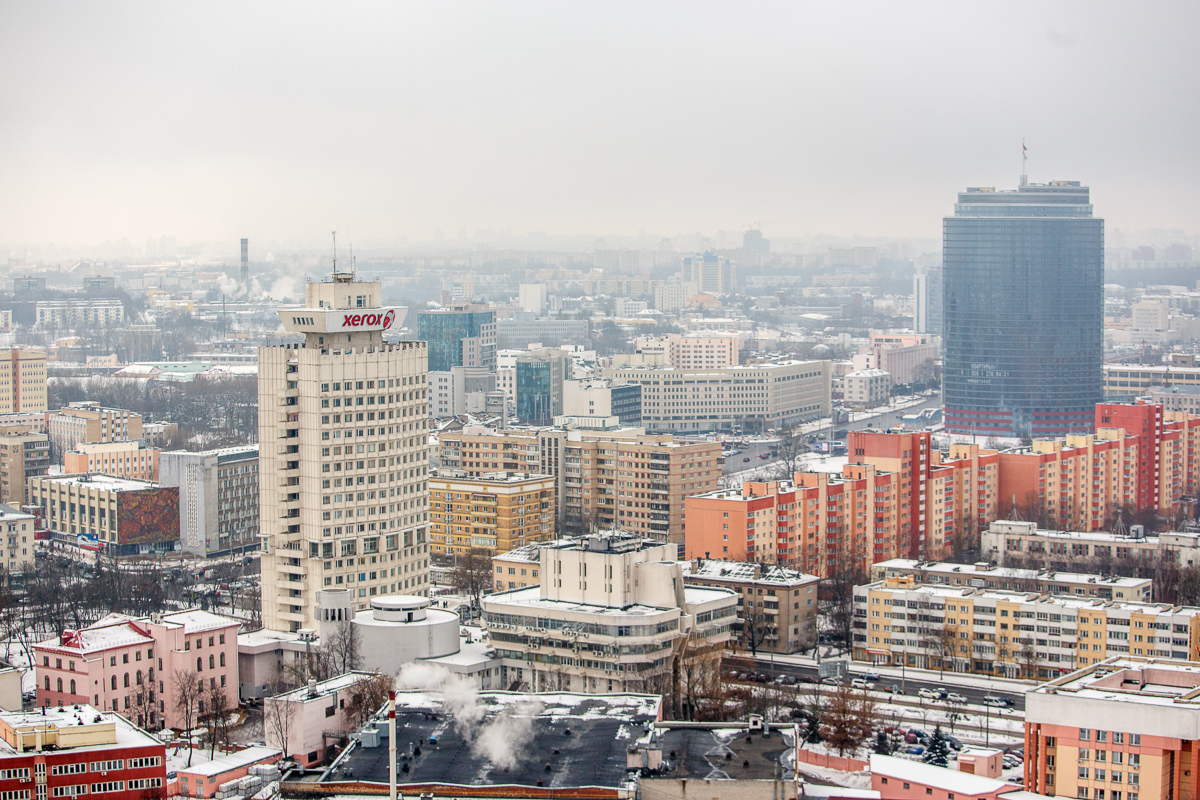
<point>215,120</point>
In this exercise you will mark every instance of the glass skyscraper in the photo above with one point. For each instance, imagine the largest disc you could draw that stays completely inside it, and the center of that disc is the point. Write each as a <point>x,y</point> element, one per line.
<point>461,336</point>
<point>1023,305</point>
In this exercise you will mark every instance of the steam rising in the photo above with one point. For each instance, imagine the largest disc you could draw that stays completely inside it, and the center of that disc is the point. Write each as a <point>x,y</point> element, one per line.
<point>501,739</point>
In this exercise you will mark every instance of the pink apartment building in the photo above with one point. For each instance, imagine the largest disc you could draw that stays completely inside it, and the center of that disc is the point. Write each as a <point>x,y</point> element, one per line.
<point>130,665</point>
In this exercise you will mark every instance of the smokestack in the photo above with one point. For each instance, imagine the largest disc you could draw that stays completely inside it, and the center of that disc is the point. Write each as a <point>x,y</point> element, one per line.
<point>246,262</point>
<point>391,746</point>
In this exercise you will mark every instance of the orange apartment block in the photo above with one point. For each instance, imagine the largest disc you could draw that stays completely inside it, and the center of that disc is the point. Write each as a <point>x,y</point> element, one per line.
<point>127,459</point>
<point>819,523</point>
<point>1121,729</point>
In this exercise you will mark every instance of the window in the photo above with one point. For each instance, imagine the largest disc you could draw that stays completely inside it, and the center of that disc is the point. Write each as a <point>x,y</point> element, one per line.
<point>1085,734</point>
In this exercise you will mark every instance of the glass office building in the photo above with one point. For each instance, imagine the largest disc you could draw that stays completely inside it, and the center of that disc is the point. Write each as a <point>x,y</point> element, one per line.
<point>463,336</point>
<point>1023,306</point>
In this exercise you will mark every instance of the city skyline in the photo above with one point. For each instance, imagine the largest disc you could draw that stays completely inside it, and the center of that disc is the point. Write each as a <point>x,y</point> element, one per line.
<point>280,122</point>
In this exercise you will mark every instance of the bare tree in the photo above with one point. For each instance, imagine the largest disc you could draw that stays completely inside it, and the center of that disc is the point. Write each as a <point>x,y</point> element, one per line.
<point>472,574</point>
<point>849,719</point>
<point>279,718</point>
<point>366,697</point>
<point>188,691</point>
<point>1029,659</point>
<point>218,718</point>
<point>938,640</point>
<point>343,647</point>
<point>792,448</point>
<point>143,706</point>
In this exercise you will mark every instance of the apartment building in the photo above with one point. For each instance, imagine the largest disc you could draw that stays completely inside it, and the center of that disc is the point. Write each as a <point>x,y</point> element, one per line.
<point>600,397</point>
<point>820,523</point>
<point>54,315</point>
<point>16,539</point>
<point>23,455</point>
<point>22,381</point>
<point>130,665</point>
<point>986,575</point>
<point>1118,729</point>
<point>131,517</point>
<point>519,567</point>
<point>496,511</point>
<point>89,422</point>
<point>218,498</point>
<point>127,459</point>
<point>1014,542</point>
<point>694,351</point>
<point>777,606</point>
<point>752,398</point>
<point>604,478</point>
<point>612,614</point>
<point>907,357</point>
<point>866,387</point>
<point>1011,634</point>
<point>77,751</point>
<point>343,455</point>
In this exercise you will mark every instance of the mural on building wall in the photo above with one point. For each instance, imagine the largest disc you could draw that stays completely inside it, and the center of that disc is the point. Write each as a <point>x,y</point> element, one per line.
<point>148,516</point>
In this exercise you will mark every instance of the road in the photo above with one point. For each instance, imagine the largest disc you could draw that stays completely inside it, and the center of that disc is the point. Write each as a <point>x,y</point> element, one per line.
<point>974,694</point>
<point>751,451</point>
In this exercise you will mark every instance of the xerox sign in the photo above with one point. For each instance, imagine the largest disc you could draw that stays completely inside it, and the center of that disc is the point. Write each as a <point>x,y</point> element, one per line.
<point>367,320</point>
<point>323,320</point>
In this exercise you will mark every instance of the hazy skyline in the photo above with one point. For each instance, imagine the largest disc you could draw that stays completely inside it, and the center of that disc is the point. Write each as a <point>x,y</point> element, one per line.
<point>285,120</point>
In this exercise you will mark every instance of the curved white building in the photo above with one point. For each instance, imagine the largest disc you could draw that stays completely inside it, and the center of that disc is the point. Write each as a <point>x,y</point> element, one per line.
<point>396,630</point>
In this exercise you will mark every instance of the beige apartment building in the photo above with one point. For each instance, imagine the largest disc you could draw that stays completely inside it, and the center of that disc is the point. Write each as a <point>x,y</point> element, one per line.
<point>753,398</point>
<point>127,459</point>
<point>1011,634</point>
<point>24,454</point>
<point>22,381</point>
<point>343,457</point>
<point>16,539</point>
<point>89,422</point>
<point>703,350</point>
<point>604,478</point>
<point>496,511</point>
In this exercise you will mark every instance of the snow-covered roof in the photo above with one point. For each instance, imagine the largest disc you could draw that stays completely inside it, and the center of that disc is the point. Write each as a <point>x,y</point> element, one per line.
<point>195,620</point>
<point>232,761</point>
<point>744,572</point>
<point>112,631</point>
<point>950,780</point>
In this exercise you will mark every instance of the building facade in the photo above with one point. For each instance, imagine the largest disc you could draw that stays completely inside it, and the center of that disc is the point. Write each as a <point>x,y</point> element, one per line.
<point>16,539</point>
<point>127,459</point>
<point>496,511</point>
<point>610,615</point>
<point>622,478</point>
<point>130,665</point>
<point>751,398</point>
<point>1011,634</point>
<point>601,397</point>
<point>866,387</point>
<point>1118,729</point>
<point>986,575</point>
<point>1012,542</point>
<point>53,315</point>
<point>218,498</point>
<point>88,422</point>
<point>1023,310</point>
<point>129,517</point>
<point>777,606</point>
<point>22,381</point>
<point>23,455</point>
<point>461,336</point>
<point>343,455</point>
<point>78,751</point>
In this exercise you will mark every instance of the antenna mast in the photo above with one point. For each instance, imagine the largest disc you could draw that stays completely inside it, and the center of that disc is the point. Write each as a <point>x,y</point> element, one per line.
<point>1024,158</point>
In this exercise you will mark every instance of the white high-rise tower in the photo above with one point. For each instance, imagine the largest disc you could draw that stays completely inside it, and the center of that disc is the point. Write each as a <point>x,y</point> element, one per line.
<point>342,423</point>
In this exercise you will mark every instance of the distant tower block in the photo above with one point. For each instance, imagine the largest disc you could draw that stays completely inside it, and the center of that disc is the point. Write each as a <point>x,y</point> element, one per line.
<point>245,262</point>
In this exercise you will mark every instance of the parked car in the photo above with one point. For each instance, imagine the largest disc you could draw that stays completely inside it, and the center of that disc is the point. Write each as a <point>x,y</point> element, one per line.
<point>998,700</point>
<point>955,697</point>
<point>954,742</point>
<point>928,694</point>
<point>895,689</point>
<point>747,458</point>
<point>871,676</point>
<point>831,680</point>
<point>914,750</point>
<point>859,683</point>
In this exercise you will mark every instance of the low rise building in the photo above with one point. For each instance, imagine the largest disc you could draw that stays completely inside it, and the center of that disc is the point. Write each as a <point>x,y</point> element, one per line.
<point>131,517</point>
<point>248,770</point>
<point>310,712</point>
<point>600,397</point>
<point>901,779</point>
<point>985,575</point>
<point>866,387</point>
<point>75,751</point>
<point>1011,634</point>
<point>612,614</point>
<point>518,568</point>
<point>218,498</point>
<point>87,422</point>
<point>130,665</point>
<point>128,459</point>
<point>1118,728</point>
<point>777,606</point>
<point>1019,543</point>
<point>495,511</point>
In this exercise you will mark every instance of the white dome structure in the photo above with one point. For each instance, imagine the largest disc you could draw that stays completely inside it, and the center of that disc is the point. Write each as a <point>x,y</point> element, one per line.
<point>396,630</point>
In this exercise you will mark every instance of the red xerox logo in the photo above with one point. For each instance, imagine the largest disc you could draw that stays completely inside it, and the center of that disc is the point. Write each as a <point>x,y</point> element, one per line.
<point>359,320</point>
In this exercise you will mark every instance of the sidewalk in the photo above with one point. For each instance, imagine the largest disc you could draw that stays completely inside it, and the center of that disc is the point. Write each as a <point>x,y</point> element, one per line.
<point>911,673</point>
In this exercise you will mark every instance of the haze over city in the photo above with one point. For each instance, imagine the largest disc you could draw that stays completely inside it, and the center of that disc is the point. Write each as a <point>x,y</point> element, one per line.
<point>420,122</point>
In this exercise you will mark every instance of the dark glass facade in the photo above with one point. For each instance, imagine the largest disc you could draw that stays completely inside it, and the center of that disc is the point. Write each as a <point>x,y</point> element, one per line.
<point>445,332</point>
<point>1023,306</point>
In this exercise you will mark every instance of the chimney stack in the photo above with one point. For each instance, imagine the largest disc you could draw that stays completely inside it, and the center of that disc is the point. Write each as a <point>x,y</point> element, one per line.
<point>246,263</point>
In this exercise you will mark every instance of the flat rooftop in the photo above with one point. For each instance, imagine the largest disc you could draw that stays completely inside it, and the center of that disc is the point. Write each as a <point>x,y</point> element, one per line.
<point>727,753</point>
<point>947,568</point>
<point>745,572</point>
<point>1070,602</point>
<point>1158,681</point>
<point>562,740</point>
<point>99,482</point>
